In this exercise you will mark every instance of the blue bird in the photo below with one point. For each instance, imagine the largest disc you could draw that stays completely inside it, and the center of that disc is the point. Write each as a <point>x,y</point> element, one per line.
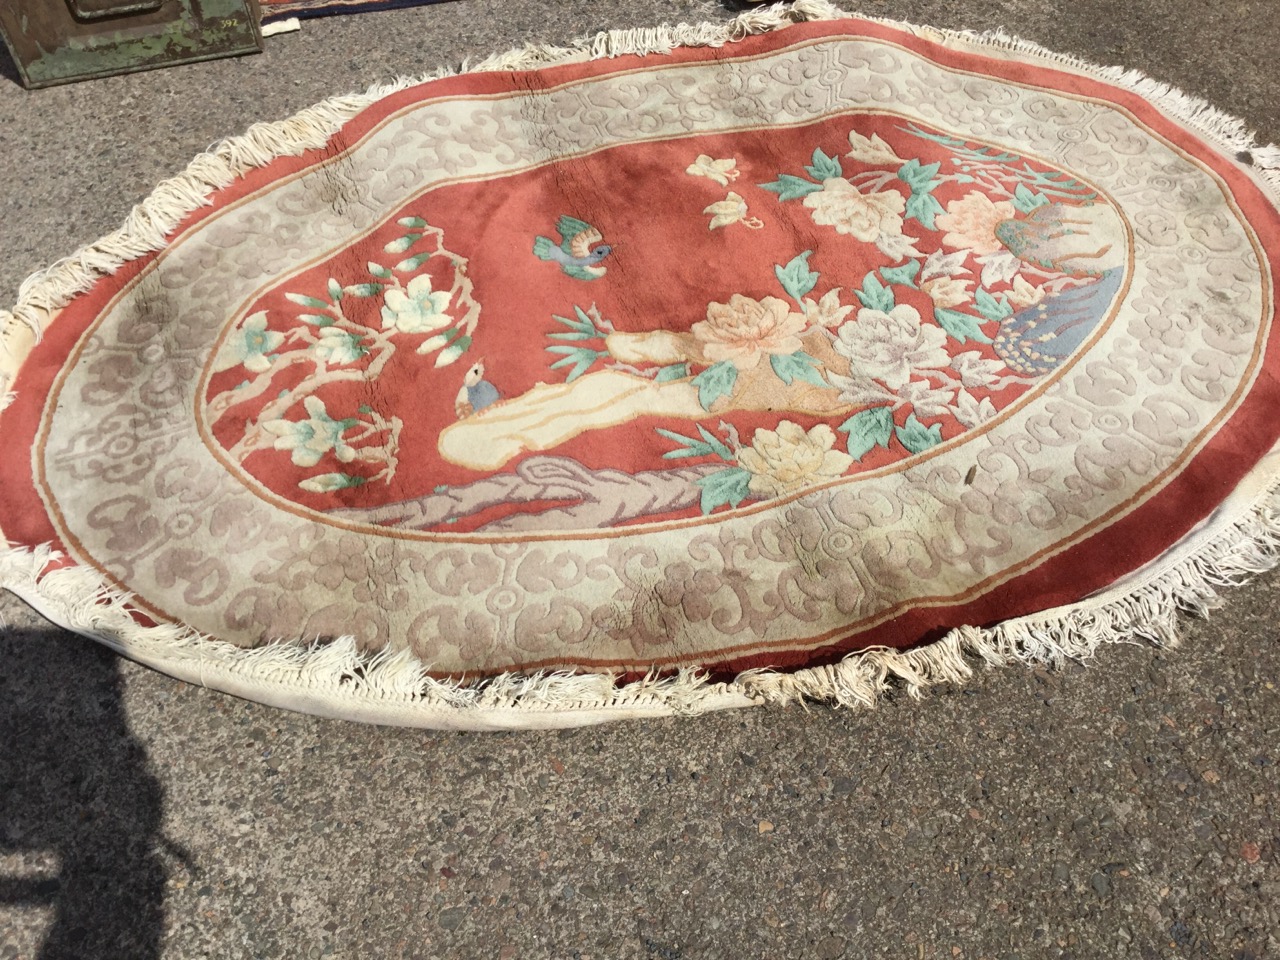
<point>476,393</point>
<point>578,252</point>
<point>1037,339</point>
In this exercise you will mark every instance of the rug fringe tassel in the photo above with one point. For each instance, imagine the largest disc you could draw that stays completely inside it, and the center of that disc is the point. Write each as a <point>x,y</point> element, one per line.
<point>336,678</point>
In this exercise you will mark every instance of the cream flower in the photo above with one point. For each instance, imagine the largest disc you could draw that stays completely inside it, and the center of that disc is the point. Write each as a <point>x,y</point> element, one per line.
<point>971,412</point>
<point>250,344</point>
<point>888,346</point>
<point>721,171</point>
<point>970,222</point>
<point>787,459</point>
<point>309,440</point>
<point>865,217</point>
<point>732,209</point>
<point>828,311</point>
<point>947,291</point>
<point>416,308</point>
<point>873,151</point>
<point>976,370</point>
<point>1022,294</point>
<point>337,347</point>
<point>744,330</point>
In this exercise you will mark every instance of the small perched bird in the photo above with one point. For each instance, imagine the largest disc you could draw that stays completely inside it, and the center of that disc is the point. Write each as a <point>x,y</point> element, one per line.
<point>579,249</point>
<point>1036,339</point>
<point>476,393</point>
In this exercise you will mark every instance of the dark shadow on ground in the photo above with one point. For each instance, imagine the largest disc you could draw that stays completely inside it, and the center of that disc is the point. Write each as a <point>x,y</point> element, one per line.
<point>75,783</point>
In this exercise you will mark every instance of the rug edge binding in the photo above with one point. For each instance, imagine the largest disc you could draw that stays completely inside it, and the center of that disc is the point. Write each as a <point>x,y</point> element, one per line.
<point>336,680</point>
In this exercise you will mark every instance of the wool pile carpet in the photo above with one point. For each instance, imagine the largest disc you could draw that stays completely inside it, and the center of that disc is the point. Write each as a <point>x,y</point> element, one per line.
<point>676,370</point>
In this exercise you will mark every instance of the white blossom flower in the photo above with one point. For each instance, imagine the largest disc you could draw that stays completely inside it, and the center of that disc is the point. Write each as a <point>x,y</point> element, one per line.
<point>863,216</point>
<point>947,291</point>
<point>309,440</point>
<point>732,209</point>
<point>976,370</point>
<point>416,308</point>
<point>889,346</point>
<point>972,413</point>
<point>249,344</point>
<point>828,311</point>
<point>788,459</point>
<point>743,330</point>
<point>337,347</point>
<point>941,264</point>
<point>873,150</point>
<point>721,171</point>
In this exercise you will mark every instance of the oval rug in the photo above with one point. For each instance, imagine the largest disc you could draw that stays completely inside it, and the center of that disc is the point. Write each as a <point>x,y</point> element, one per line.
<point>676,370</point>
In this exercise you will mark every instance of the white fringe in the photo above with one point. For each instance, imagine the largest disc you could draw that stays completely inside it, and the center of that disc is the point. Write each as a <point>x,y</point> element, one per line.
<point>336,679</point>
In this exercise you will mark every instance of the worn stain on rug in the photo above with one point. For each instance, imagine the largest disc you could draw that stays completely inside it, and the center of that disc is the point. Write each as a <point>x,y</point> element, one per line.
<point>782,360</point>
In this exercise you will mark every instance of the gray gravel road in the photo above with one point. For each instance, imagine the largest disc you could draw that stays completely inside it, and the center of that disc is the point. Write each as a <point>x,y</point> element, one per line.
<point>1125,809</point>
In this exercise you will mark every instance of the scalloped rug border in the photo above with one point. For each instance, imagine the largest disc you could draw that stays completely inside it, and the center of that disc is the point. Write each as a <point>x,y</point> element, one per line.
<point>1241,538</point>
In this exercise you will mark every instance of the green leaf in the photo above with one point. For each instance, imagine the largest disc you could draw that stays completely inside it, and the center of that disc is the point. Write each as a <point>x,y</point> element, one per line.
<point>962,326</point>
<point>302,300</point>
<point>867,429</point>
<point>796,366</point>
<point>329,482</point>
<point>716,444</point>
<point>588,327</point>
<point>364,408</point>
<point>316,320</point>
<point>788,187</point>
<point>875,296</point>
<point>919,176</point>
<point>824,167</point>
<point>573,336</point>
<point>411,222</point>
<point>677,371</point>
<point>1026,200</point>
<point>924,207</point>
<point>990,307</point>
<point>335,290</point>
<point>379,271</point>
<point>796,277</point>
<point>365,289</point>
<point>715,382</point>
<point>905,274</point>
<point>412,263</point>
<point>689,447</point>
<point>731,486</point>
<point>916,437</point>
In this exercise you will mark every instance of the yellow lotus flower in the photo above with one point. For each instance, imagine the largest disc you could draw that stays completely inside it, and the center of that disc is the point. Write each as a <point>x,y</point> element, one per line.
<point>744,330</point>
<point>732,209</point>
<point>787,459</point>
<point>721,171</point>
<point>865,217</point>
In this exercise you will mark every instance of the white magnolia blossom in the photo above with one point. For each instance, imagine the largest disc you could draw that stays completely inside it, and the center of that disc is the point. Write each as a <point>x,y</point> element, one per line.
<point>889,346</point>
<point>927,399</point>
<point>788,459</point>
<point>721,171</point>
<point>310,439</point>
<point>416,308</point>
<point>999,268</point>
<point>827,312</point>
<point>976,370</point>
<point>971,412</point>
<point>941,264</point>
<point>947,291</point>
<point>337,347</point>
<point>873,151</point>
<point>731,210</point>
<point>1022,294</point>
<point>860,391</point>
